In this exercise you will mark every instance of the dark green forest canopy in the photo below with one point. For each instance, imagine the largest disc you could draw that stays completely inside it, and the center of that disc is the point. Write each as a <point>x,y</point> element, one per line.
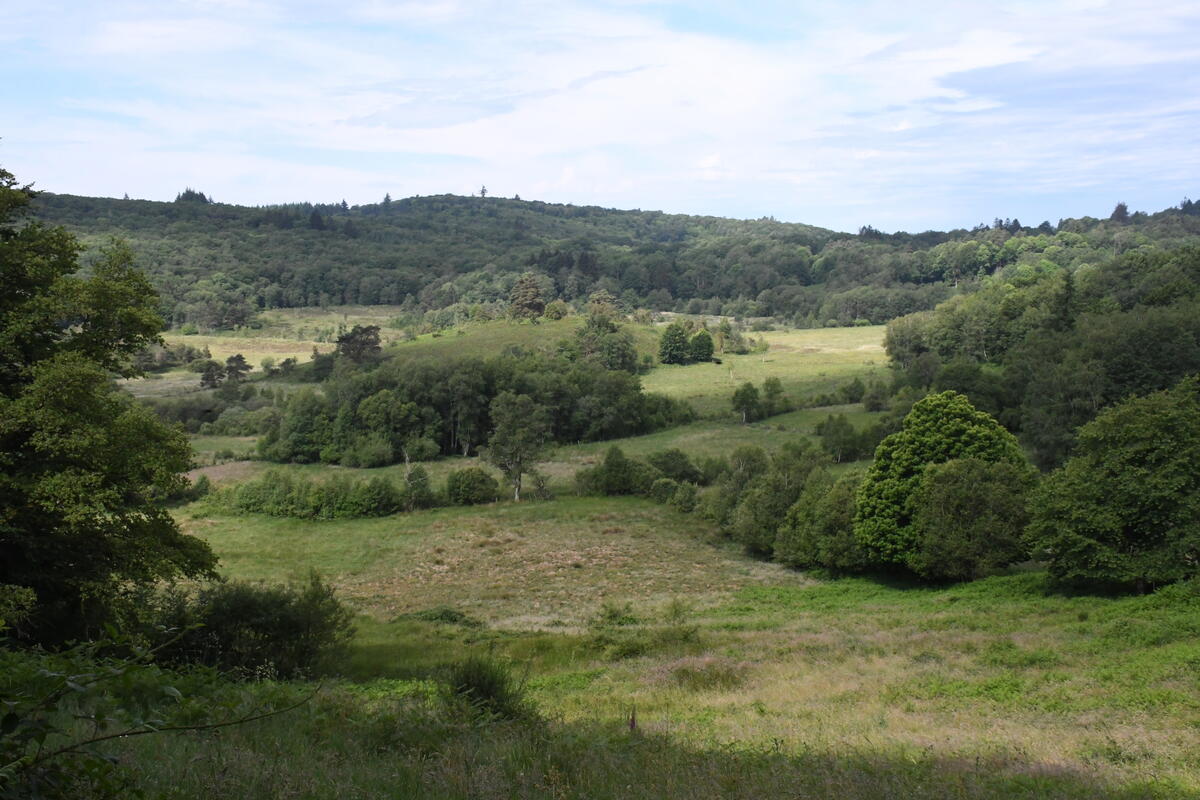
<point>216,265</point>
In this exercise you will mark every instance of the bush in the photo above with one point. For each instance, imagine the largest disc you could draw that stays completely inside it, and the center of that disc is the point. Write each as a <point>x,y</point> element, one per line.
<point>487,686</point>
<point>255,630</point>
<point>684,499</point>
<point>616,475</point>
<point>283,494</point>
<point>674,463</point>
<point>663,489</point>
<point>712,469</point>
<point>471,486</point>
<point>418,492</point>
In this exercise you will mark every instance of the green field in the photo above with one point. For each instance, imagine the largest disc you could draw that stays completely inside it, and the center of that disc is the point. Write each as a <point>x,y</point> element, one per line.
<point>761,659</point>
<point>807,362</point>
<point>746,679</point>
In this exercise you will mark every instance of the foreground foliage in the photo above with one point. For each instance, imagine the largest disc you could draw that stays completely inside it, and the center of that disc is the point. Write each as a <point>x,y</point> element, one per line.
<point>81,465</point>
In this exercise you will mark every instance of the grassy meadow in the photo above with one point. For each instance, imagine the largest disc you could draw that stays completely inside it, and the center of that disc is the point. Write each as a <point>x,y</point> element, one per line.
<point>806,362</point>
<point>990,689</point>
<point>665,663</point>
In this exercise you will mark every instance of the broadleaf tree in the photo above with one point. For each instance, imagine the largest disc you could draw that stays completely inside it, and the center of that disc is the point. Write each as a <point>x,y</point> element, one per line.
<point>520,436</point>
<point>82,467</point>
<point>939,428</point>
<point>1125,508</point>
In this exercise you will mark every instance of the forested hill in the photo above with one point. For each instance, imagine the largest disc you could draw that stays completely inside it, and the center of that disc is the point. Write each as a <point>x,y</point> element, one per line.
<point>215,265</point>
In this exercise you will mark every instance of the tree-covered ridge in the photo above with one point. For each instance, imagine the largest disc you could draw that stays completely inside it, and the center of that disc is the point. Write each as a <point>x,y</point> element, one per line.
<point>1046,349</point>
<point>215,265</point>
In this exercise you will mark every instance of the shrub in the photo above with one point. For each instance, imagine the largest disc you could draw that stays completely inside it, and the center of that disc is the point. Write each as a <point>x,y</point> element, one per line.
<point>674,463</point>
<point>471,486</point>
<point>418,492</point>
<point>684,499</point>
<point>283,494</point>
<point>255,630</point>
<point>712,469</point>
<point>616,475</point>
<point>663,489</point>
<point>487,686</point>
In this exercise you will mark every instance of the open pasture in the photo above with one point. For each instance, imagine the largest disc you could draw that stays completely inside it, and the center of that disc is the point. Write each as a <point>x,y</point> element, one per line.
<point>806,362</point>
<point>714,648</point>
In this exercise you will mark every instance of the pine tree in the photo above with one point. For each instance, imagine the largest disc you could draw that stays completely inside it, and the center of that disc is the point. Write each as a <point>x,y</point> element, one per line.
<point>236,368</point>
<point>525,299</point>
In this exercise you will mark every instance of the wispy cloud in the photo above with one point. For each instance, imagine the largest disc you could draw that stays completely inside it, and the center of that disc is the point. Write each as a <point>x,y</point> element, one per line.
<point>925,114</point>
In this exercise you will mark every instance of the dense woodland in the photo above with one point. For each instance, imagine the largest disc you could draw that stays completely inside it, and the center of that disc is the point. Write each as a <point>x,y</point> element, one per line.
<point>216,265</point>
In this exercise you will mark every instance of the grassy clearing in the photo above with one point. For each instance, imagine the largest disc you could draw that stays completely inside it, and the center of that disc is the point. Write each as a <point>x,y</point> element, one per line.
<point>481,340</point>
<point>806,362</point>
<point>485,561</point>
<point>254,348</point>
<point>1043,687</point>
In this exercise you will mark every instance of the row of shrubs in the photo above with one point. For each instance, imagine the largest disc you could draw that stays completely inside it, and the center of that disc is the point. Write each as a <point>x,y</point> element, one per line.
<point>668,477</point>
<point>790,507</point>
<point>951,496</point>
<point>286,494</point>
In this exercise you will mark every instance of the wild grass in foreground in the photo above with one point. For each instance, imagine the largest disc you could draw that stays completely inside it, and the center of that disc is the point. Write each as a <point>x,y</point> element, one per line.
<point>618,604</point>
<point>346,744</point>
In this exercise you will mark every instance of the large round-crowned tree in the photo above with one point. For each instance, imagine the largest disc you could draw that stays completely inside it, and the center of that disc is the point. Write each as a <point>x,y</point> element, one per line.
<point>81,464</point>
<point>940,427</point>
<point>1125,508</point>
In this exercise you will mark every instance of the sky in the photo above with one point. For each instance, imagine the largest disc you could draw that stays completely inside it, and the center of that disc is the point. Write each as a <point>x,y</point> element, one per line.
<point>904,116</point>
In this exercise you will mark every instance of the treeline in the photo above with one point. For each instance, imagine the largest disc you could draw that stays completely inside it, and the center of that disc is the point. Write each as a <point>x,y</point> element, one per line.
<point>286,494</point>
<point>1044,350</point>
<point>411,410</point>
<point>216,265</point>
<point>951,497</point>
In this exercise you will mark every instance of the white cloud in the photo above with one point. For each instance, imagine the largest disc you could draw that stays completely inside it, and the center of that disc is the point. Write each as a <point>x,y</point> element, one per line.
<point>876,109</point>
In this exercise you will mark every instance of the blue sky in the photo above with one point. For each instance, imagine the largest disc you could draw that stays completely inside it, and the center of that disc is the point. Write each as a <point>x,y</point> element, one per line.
<point>905,116</point>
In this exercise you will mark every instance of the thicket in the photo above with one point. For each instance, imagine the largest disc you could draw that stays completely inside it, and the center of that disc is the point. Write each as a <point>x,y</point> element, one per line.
<point>285,494</point>
<point>250,630</point>
<point>410,410</point>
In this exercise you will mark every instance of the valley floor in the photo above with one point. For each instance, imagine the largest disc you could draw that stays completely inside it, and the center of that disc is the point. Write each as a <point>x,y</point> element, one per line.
<point>618,606</point>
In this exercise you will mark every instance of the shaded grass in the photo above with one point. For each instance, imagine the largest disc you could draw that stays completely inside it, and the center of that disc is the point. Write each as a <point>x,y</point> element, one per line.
<point>371,745</point>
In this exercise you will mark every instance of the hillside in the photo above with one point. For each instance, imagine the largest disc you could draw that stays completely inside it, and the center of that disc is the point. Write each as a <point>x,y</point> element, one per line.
<point>217,265</point>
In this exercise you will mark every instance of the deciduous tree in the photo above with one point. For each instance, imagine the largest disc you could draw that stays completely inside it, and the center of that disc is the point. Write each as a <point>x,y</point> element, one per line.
<point>939,428</point>
<point>1125,508</point>
<point>80,463</point>
<point>520,434</point>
